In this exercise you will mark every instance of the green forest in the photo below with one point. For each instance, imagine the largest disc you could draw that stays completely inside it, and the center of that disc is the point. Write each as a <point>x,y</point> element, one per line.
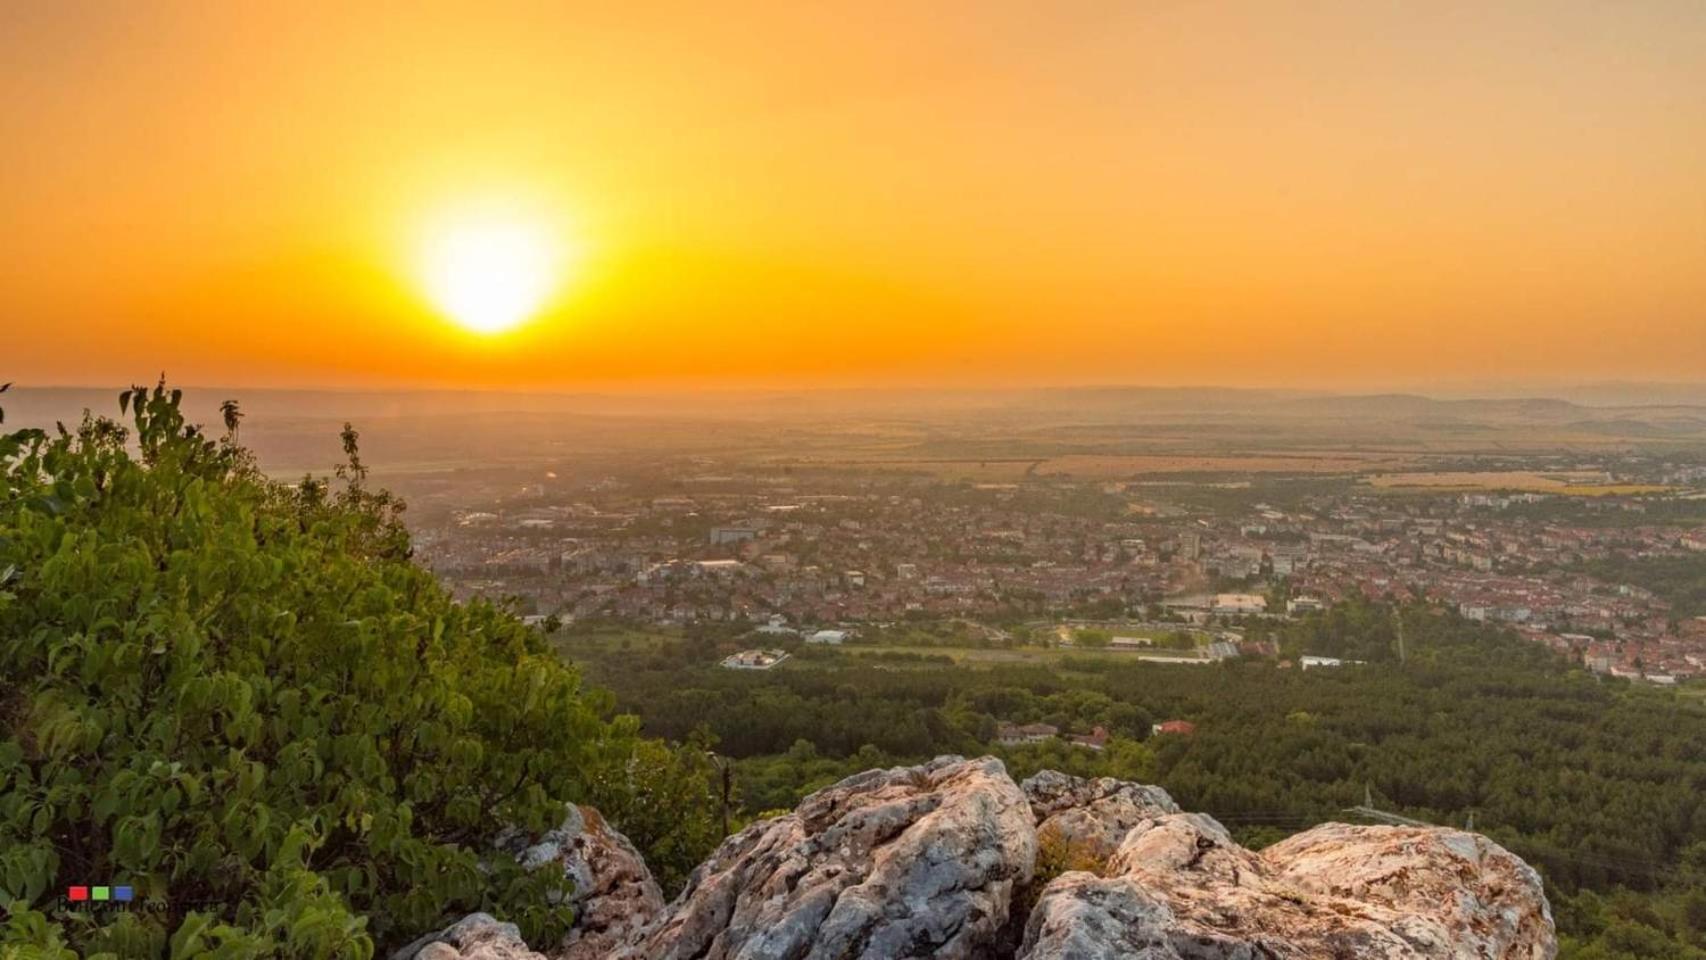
<point>244,698</point>
<point>1600,784</point>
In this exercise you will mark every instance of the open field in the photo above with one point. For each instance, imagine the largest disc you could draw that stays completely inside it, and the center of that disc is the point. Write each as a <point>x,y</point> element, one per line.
<point>995,470</point>
<point>1094,465</point>
<point>1573,483</point>
<point>980,656</point>
<point>610,640</point>
<point>1116,466</point>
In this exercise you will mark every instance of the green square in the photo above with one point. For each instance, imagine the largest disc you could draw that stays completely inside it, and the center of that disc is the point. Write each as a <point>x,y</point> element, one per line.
<point>101,893</point>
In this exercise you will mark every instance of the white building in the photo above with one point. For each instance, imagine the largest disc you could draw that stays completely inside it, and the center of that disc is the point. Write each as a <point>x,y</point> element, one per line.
<point>754,659</point>
<point>832,637</point>
<point>719,568</point>
<point>1015,734</point>
<point>724,535</point>
<point>1240,603</point>
<point>1308,662</point>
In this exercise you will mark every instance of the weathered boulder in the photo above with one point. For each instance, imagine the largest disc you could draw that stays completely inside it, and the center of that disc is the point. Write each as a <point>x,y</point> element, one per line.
<point>614,895</point>
<point>1179,888</point>
<point>908,862</point>
<point>475,937</point>
<point>1449,885</point>
<point>937,861</point>
<point>1092,816</point>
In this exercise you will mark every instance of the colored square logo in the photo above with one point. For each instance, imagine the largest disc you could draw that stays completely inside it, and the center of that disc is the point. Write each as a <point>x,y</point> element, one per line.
<point>101,893</point>
<point>124,894</point>
<point>77,894</point>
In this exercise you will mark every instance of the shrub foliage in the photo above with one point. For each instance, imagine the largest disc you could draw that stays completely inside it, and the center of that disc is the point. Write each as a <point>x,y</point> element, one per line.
<point>240,697</point>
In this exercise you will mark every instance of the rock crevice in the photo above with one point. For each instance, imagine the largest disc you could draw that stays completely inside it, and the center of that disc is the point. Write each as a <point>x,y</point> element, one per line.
<point>909,862</point>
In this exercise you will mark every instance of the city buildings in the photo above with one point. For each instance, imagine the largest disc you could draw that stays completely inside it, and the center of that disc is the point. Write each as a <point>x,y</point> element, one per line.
<point>843,549</point>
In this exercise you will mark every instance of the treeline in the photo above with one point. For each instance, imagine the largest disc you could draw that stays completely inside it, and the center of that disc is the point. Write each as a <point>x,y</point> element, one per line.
<point>1679,581</point>
<point>1362,630</point>
<point>1599,784</point>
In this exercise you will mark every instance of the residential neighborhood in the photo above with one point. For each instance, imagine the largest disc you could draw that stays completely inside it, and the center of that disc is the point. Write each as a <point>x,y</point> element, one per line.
<point>823,558</point>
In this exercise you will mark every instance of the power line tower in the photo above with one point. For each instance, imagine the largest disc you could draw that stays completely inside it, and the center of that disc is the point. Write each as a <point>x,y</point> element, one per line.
<point>1369,810</point>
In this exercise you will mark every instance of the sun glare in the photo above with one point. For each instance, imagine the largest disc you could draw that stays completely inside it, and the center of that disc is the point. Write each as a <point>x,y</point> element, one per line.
<point>490,273</point>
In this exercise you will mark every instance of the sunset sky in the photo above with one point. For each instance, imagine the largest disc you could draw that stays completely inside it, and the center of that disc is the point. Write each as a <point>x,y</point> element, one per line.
<point>1356,194</point>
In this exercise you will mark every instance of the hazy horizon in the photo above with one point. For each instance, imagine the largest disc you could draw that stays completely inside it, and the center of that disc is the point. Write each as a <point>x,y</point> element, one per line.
<point>1586,393</point>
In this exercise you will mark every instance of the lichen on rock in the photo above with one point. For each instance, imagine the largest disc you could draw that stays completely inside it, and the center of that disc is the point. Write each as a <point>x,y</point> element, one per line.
<point>1092,815</point>
<point>1179,888</point>
<point>614,894</point>
<point>478,936</point>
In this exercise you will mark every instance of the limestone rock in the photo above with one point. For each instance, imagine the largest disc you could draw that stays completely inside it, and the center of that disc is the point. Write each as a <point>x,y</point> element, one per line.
<point>614,894</point>
<point>887,864</point>
<point>1179,888</point>
<point>1462,887</point>
<point>1092,816</point>
<point>937,860</point>
<point>475,937</point>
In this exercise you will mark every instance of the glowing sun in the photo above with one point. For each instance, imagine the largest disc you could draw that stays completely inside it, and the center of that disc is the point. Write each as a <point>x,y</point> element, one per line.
<point>491,272</point>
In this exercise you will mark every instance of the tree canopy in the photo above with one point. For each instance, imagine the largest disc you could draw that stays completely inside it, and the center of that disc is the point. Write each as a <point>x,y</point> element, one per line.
<point>1598,783</point>
<point>240,698</point>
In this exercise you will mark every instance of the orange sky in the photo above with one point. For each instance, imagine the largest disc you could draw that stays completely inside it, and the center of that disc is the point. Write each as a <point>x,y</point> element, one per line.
<point>1340,194</point>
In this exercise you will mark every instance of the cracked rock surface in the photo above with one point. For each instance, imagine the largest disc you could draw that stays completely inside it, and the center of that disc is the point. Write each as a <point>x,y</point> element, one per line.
<point>887,864</point>
<point>475,937</point>
<point>1179,888</point>
<point>614,894</point>
<point>1092,815</point>
<point>938,861</point>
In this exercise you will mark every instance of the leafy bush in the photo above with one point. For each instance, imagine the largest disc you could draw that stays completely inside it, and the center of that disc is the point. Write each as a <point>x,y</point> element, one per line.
<point>241,698</point>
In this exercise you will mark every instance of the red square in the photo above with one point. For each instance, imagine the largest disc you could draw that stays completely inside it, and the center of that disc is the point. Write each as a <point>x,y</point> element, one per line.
<point>79,893</point>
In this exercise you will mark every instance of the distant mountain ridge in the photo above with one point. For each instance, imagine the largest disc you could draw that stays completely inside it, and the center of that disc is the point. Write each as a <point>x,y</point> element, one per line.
<point>43,405</point>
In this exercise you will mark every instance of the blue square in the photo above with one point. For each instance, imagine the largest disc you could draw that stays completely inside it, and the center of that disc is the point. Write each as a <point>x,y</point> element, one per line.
<point>123,894</point>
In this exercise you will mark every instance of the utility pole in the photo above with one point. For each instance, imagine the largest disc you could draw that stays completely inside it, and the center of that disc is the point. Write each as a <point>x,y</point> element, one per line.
<point>728,788</point>
<point>727,776</point>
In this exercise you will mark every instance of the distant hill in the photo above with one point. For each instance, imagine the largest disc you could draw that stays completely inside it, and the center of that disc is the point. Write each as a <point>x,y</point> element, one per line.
<point>294,430</point>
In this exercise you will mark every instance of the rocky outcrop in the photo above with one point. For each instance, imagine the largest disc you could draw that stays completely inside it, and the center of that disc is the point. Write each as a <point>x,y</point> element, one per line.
<point>1179,888</point>
<point>1449,887</point>
<point>475,937</point>
<point>614,895</point>
<point>611,891</point>
<point>1092,816</point>
<point>938,860</point>
<point>909,862</point>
